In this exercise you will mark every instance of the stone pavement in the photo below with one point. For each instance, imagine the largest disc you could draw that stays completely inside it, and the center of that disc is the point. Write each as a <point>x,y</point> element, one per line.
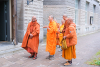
<point>85,49</point>
<point>9,47</point>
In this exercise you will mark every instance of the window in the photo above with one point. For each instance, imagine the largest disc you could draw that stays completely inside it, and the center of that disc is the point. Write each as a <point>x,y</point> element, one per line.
<point>87,6</point>
<point>94,7</point>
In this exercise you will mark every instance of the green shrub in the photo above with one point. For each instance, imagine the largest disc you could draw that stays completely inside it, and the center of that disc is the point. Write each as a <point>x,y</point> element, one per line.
<point>98,62</point>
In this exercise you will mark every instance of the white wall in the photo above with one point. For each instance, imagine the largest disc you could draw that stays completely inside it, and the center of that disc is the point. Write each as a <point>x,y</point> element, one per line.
<point>25,13</point>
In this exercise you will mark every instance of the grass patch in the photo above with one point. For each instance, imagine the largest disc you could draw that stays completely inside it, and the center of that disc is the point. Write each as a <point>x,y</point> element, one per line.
<point>98,53</point>
<point>95,60</point>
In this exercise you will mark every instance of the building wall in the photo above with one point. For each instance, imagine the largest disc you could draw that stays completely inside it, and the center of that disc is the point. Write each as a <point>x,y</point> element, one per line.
<point>20,20</point>
<point>24,16</point>
<point>60,7</point>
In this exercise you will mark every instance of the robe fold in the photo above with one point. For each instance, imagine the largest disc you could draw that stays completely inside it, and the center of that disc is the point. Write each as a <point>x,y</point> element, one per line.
<point>51,38</point>
<point>31,45</point>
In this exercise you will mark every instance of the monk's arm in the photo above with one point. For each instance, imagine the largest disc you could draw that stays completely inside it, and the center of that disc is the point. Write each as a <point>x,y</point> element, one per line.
<point>37,31</point>
<point>28,29</point>
<point>50,30</point>
<point>45,26</point>
<point>58,30</point>
<point>71,32</point>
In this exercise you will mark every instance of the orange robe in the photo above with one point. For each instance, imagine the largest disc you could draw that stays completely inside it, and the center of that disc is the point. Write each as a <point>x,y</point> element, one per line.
<point>68,53</point>
<point>57,34</point>
<point>61,34</point>
<point>51,38</point>
<point>31,45</point>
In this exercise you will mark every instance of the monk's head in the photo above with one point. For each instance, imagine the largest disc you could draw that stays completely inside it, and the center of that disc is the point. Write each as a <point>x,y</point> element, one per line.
<point>34,19</point>
<point>64,16</point>
<point>70,21</point>
<point>51,18</point>
<point>63,21</point>
<point>55,20</point>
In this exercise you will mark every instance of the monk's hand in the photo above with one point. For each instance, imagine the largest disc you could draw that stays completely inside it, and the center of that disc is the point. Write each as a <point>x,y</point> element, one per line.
<point>31,36</point>
<point>45,26</point>
<point>59,30</point>
<point>64,37</point>
<point>48,27</point>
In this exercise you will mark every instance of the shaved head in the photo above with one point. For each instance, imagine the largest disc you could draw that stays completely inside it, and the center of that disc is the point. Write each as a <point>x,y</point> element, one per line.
<point>62,21</point>
<point>34,19</point>
<point>70,20</point>
<point>52,16</point>
<point>65,15</point>
<point>55,20</point>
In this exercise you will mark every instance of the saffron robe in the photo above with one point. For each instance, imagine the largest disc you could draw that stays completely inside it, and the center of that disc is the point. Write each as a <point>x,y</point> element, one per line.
<point>61,34</point>
<point>51,38</point>
<point>68,53</point>
<point>57,34</point>
<point>31,44</point>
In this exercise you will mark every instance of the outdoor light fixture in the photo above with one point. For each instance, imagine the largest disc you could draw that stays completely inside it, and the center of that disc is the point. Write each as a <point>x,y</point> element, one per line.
<point>28,1</point>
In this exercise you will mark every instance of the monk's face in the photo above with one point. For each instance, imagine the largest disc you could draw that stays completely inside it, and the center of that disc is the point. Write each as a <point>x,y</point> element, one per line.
<point>55,21</point>
<point>50,18</point>
<point>33,19</point>
<point>62,22</point>
<point>70,21</point>
<point>64,17</point>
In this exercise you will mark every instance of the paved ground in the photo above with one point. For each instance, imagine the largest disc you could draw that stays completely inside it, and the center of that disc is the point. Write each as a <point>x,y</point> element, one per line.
<point>87,47</point>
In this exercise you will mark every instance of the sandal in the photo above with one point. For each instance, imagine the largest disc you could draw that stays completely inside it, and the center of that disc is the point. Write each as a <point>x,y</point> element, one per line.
<point>34,58</point>
<point>48,57</point>
<point>67,64</point>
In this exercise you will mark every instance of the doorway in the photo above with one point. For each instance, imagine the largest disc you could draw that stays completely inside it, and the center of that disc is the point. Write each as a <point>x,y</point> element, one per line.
<point>4,21</point>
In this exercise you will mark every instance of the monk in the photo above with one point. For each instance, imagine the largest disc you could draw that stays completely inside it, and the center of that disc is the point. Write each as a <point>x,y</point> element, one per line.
<point>31,38</point>
<point>61,34</point>
<point>51,38</point>
<point>57,33</point>
<point>71,40</point>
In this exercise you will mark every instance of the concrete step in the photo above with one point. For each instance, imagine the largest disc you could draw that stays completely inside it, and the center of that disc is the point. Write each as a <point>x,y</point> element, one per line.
<point>6,49</point>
